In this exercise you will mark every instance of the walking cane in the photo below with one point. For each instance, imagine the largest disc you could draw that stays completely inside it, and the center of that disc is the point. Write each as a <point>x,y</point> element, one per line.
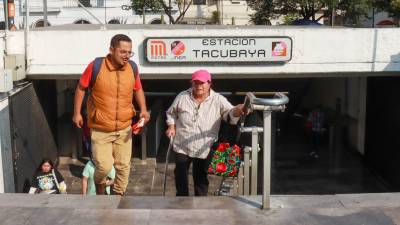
<point>171,140</point>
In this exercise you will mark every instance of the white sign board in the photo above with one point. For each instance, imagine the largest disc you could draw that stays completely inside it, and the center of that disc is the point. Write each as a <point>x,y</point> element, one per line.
<point>219,49</point>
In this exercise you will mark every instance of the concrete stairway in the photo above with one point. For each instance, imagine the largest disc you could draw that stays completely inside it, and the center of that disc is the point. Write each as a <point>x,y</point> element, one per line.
<point>367,209</point>
<point>146,177</point>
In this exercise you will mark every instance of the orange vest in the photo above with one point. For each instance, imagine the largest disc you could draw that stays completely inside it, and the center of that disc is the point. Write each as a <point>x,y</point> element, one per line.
<point>109,106</point>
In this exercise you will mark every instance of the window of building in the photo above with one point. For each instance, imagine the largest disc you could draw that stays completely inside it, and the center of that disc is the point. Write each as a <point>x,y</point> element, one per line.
<point>199,2</point>
<point>40,23</point>
<point>85,3</point>
<point>114,21</point>
<point>100,3</point>
<point>82,22</point>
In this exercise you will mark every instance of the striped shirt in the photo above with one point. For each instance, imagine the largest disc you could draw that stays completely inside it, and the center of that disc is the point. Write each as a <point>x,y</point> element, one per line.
<point>197,125</point>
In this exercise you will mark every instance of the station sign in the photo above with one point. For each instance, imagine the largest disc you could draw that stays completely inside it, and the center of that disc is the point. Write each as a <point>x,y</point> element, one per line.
<point>218,49</point>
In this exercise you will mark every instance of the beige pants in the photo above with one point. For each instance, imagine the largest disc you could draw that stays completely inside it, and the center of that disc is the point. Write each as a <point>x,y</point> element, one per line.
<point>112,148</point>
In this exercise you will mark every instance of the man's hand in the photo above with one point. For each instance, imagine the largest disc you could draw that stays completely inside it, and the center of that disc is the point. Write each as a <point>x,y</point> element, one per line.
<point>170,131</point>
<point>78,120</point>
<point>145,115</point>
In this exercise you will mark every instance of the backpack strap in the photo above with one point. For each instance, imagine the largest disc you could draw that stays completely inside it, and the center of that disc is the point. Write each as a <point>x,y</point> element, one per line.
<point>134,68</point>
<point>95,71</point>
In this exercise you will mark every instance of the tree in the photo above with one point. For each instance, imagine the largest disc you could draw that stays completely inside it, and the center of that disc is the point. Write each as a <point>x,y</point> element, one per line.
<point>390,6</point>
<point>141,6</point>
<point>354,10</point>
<point>264,11</point>
<point>157,5</point>
<point>305,8</point>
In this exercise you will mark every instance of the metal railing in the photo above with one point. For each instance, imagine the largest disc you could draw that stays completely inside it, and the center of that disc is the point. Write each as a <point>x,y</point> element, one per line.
<point>248,183</point>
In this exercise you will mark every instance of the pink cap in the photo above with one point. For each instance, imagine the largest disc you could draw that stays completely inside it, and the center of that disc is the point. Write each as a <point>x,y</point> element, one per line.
<point>201,75</point>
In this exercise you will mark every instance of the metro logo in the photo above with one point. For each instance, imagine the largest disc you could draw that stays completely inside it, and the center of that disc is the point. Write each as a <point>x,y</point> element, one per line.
<point>158,49</point>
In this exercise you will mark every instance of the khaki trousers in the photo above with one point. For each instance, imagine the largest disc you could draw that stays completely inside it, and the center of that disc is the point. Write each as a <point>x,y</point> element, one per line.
<point>112,148</point>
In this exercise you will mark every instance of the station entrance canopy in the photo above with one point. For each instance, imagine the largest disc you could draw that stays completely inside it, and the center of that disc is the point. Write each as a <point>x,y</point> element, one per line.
<point>174,52</point>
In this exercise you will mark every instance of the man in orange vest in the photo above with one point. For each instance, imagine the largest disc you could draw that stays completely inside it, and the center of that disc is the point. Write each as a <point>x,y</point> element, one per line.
<point>110,110</point>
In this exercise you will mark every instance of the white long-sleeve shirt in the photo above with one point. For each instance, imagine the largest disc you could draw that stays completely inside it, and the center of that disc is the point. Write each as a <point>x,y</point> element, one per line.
<point>197,125</point>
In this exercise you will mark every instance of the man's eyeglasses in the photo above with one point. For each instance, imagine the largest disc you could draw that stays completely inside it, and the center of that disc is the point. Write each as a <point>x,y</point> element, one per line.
<point>127,53</point>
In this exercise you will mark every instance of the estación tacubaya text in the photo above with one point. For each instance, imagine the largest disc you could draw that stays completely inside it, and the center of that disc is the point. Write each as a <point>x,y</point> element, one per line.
<point>231,53</point>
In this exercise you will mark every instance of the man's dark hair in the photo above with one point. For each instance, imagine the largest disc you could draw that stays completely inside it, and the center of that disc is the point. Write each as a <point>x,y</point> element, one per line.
<point>117,38</point>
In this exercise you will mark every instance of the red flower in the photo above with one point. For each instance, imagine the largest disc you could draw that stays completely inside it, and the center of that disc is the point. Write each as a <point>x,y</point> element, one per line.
<point>215,156</point>
<point>231,161</point>
<point>227,145</point>
<point>210,169</point>
<point>221,147</point>
<point>236,149</point>
<point>231,173</point>
<point>221,167</point>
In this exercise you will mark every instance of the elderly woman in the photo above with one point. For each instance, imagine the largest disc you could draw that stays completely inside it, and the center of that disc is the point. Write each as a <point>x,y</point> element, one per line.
<point>47,180</point>
<point>194,119</point>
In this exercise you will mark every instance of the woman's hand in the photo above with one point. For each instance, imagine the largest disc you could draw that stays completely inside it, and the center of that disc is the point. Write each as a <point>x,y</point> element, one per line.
<point>170,131</point>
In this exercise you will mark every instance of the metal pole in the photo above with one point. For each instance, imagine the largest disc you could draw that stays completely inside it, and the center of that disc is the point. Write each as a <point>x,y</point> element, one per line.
<point>169,8</point>
<point>105,11</point>
<point>254,160</point>
<point>144,144</point>
<point>6,26</point>
<point>373,17</point>
<point>222,12</point>
<point>26,34</point>
<point>267,160</point>
<point>246,189</point>
<point>6,15</point>
<point>45,12</point>
<point>144,14</point>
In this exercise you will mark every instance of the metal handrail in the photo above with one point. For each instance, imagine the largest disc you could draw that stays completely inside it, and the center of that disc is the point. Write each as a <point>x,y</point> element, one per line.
<point>279,100</point>
<point>267,105</point>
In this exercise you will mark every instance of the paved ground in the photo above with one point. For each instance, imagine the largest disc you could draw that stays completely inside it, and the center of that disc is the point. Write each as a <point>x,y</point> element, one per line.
<point>348,209</point>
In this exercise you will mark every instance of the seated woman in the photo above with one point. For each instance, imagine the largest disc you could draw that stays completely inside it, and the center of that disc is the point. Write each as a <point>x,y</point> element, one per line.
<point>47,180</point>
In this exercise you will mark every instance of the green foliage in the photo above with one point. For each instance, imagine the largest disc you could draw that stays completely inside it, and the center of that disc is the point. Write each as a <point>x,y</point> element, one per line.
<point>306,9</point>
<point>354,10</point>
<point>264,11</point>
<point>289,18</point>
<point>215,16</point>
<point>390,6</point>
<point>149,5</point>
<point>142,6</point>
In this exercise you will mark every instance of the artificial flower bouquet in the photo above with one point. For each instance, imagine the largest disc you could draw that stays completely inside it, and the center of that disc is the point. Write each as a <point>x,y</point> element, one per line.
<point>225,160</point>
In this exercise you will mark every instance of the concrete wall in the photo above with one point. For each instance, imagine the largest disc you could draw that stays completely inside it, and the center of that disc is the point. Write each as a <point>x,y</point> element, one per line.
<point>6,160</point>
<point>316,51</point>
